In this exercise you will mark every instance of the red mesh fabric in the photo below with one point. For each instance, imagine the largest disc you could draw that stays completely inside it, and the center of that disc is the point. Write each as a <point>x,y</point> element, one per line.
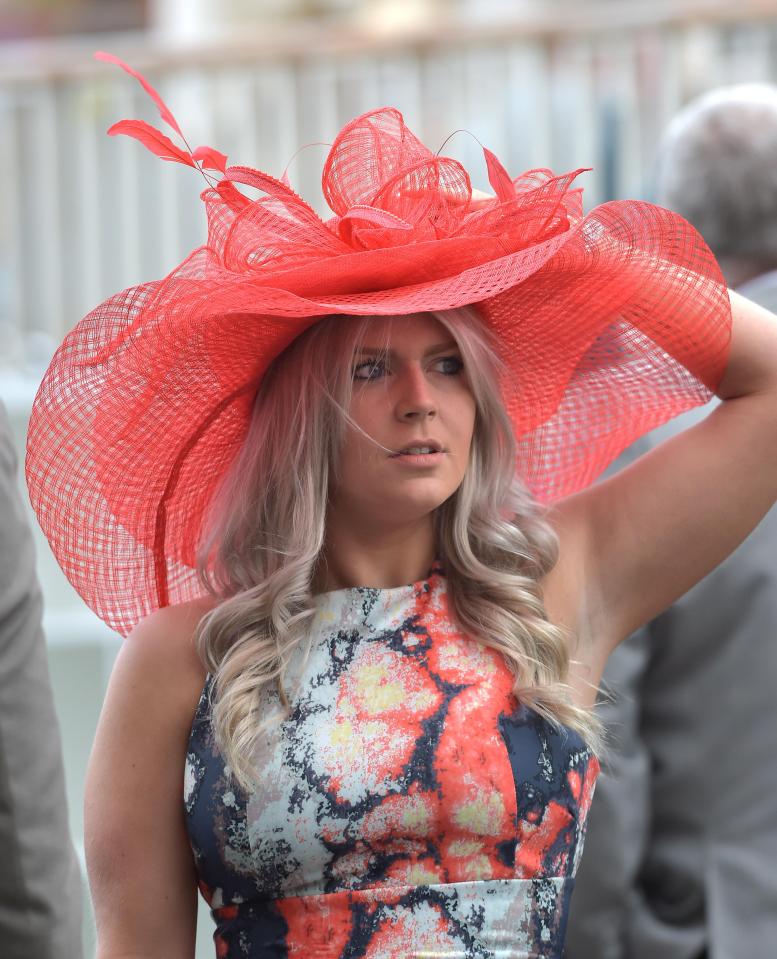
<point>609,325</point>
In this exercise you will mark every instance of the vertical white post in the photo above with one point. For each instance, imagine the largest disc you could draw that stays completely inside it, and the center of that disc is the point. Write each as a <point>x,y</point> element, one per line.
<point>277,117</point>
<point>124,101</point>
<point>43,210</point>
<point>318,122</point>
<point>399,84</point>
<point>12,305</point>
<point>486,110</point>
<point>87,183</point>
<point>528,104</point>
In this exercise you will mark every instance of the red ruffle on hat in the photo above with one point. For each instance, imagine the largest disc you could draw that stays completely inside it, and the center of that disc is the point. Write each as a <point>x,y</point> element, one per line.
<point>609,325</point>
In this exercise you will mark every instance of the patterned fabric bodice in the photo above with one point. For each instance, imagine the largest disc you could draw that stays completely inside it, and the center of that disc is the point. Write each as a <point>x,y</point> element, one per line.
<point>409,806</point>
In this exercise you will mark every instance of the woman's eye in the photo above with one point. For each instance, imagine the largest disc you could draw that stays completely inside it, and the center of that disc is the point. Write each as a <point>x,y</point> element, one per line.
<point>369,370</point>
<point>372,369</point>
<point>452,365</point>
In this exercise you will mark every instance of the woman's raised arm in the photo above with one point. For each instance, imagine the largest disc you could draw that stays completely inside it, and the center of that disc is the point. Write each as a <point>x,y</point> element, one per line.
<point>141,871</point>
<point>643,537</point>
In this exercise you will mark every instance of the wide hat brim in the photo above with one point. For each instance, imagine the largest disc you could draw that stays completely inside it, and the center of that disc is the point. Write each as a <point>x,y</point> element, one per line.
<point>608,324</point>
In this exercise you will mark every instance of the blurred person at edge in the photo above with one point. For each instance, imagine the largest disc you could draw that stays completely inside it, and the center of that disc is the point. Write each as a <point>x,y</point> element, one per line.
<point>40,885</point>
<point>681,852</point>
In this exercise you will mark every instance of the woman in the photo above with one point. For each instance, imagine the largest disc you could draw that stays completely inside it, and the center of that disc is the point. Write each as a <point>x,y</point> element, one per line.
<point>376,688</point>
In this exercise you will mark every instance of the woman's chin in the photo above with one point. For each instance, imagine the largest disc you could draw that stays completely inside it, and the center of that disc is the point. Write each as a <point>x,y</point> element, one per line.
<point>410,505</point>
<point>391,504</point>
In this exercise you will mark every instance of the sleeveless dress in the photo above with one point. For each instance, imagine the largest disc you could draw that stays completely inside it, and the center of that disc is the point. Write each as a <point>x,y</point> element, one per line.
<point>409,805</point>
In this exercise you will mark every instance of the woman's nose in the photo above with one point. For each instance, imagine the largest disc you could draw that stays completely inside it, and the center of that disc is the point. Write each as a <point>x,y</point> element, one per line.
<point>415,395</point>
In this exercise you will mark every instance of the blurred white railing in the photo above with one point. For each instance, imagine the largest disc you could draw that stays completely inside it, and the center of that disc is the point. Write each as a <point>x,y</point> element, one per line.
<point>83,215</point>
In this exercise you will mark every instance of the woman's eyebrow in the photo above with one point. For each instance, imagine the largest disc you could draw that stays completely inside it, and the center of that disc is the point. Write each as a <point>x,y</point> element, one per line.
<point>438,347</point>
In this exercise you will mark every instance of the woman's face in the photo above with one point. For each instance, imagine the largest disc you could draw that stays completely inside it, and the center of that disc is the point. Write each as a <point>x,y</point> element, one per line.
<point>416,395</point>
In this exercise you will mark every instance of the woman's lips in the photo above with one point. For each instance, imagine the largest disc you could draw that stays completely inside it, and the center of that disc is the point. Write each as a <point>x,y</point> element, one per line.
<point>418,459</point>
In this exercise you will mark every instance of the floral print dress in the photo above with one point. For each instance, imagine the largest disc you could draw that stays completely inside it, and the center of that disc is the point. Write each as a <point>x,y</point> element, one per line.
<point>409,805</point>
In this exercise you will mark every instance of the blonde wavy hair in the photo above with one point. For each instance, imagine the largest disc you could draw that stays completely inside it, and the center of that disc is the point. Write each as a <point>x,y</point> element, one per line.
<point>262,546</point>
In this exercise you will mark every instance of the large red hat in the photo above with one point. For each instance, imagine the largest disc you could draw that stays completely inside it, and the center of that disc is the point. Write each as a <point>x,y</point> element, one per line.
<point>609,324</point>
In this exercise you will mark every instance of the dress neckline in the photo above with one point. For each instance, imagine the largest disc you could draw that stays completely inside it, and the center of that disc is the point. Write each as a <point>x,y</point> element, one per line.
<point>389,593</point>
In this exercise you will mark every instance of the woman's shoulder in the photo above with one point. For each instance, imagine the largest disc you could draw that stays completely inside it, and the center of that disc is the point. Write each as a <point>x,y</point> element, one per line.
<point>170,631</point>
<point>159,658</point>
<point>179,618</point>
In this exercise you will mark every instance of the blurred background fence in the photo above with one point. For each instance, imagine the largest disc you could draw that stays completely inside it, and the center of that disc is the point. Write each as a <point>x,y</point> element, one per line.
<point>563,84</point>
<point>82,215</point>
